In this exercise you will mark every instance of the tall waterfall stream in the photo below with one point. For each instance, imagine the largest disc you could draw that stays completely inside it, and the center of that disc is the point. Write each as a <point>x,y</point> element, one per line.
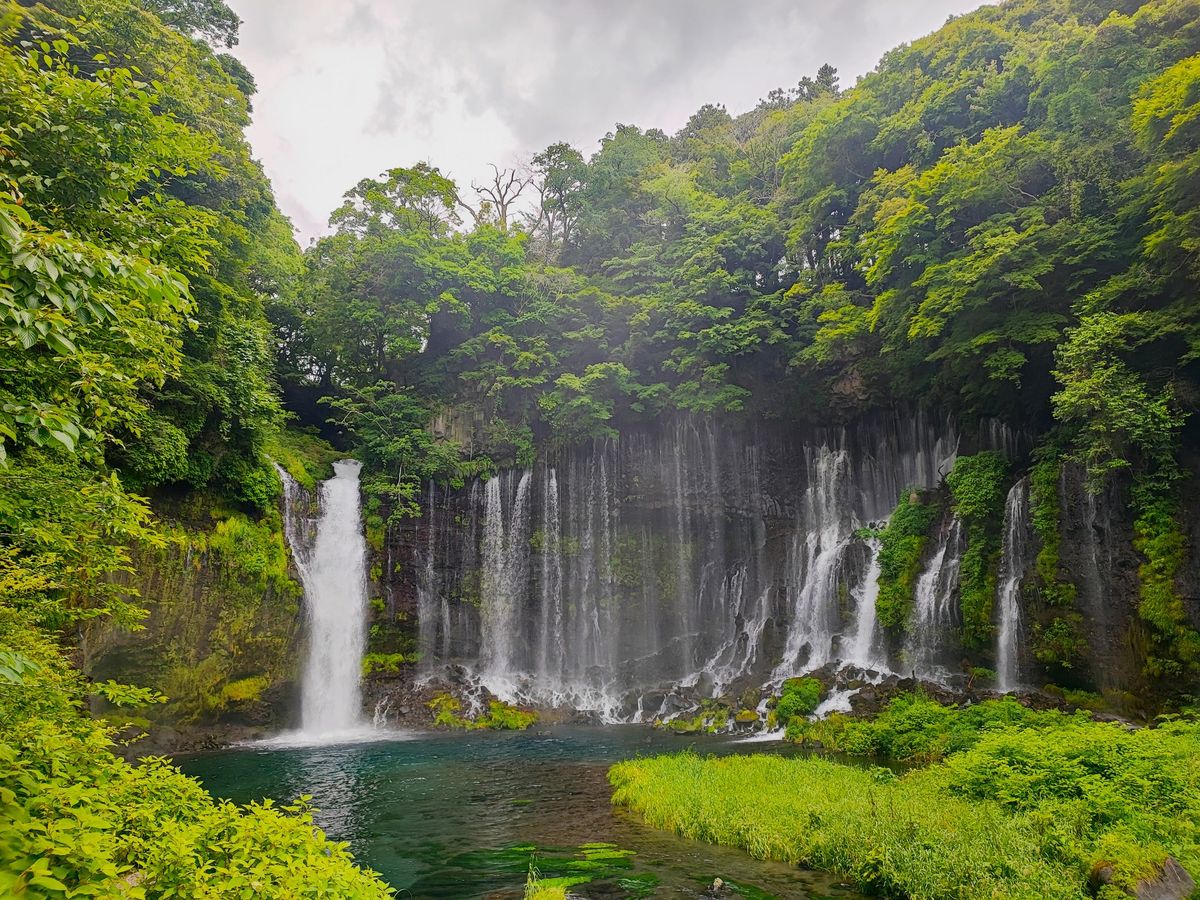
<point>330,554</point>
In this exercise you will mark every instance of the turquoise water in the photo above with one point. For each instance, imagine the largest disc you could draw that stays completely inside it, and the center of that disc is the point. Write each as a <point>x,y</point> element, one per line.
<point>462,815</point>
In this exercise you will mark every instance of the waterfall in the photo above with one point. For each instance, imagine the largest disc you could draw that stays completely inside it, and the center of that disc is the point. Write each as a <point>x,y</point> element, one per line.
<point>864,650</point>
<point>549,657</point>
<point>330,555</point>
<point>817,554</point>
<point>505,574</point>
<point>429,613</point>
<point>681,562</point>
<point>1014,562</point>
<point>936,616</point>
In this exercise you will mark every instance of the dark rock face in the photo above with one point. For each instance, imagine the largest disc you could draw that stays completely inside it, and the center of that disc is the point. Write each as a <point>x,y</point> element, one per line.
<point>1098,557</point>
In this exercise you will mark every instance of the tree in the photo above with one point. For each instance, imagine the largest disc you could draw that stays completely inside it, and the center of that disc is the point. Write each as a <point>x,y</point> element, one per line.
<point>417,198</point>
<point>497,197</point>
<point>559,173</point>
<point>210,20</point>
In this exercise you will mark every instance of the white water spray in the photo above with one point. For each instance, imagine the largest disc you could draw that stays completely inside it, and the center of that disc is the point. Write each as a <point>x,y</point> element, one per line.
<point>935,606</point>
<point>333,570</point>
<point>1008,601</point>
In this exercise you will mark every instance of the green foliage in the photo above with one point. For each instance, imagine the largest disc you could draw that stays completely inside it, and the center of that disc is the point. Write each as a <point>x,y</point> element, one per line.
<point>915,727</point>
<point>1159,537</point>
<point>1024,804</point>
<point>67,535</point>
<point>798,697</point>
<point>1060,641</point>
<point>385,663</point>
<point>126,694</point>
<point>152,344</point>
<point>447,710</point>
<point>904,838</point>
<point>711,717</point>
<point>977,484</point>
<point>75,820</point>
<point>1044,517</point>
<point>901,546</point>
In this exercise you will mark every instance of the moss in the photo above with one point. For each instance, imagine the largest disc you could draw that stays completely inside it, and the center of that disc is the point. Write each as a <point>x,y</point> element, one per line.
<point>711,718</point>
<point>901,546</point>
<point>223,615</point>
<point>385,663</point>
<point>1044,516</point>
<point>304,455</point>
<point>745,716</point>
<point>245,690</point>
<point>447,710</point>
<point>1159,538</point>
<point>977,484</point>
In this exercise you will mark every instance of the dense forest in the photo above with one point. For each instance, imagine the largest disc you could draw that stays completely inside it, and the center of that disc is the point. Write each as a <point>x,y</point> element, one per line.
<point>1001,221</point>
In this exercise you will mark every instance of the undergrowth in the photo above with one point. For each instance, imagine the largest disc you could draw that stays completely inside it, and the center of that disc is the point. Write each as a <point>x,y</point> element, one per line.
<point>1023,804</point>
<point>500,716</point>
<point>76,820</point>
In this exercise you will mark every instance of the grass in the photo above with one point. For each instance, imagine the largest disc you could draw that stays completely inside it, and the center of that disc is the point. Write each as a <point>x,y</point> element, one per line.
<point>914,728</point>
<point>1025,808</point>
<point>306,457</point>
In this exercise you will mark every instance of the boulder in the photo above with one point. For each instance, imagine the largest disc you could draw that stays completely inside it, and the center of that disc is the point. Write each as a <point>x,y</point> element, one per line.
<point>1172,883</point>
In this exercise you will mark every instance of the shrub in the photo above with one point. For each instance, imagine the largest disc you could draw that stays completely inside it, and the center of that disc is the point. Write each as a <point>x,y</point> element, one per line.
<point>901,546</point>
<point>977,484</point>
<point>75,820</point>
<point>799,697</point>
<point>914,727</point>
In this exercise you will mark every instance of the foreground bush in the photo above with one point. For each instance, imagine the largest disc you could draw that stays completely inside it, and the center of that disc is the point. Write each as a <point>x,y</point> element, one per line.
<point>1024,812</point>
<point>914,728</point>
<point>75,820</point>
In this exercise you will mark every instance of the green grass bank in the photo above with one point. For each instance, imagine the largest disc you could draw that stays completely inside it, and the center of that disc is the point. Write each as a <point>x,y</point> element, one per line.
<point>1052,807</point>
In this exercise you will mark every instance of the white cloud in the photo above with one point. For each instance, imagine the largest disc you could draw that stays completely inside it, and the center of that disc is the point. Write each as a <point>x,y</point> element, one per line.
<point>462,83</point>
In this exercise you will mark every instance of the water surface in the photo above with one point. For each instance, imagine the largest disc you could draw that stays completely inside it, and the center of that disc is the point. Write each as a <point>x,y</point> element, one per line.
<point>462,815</point>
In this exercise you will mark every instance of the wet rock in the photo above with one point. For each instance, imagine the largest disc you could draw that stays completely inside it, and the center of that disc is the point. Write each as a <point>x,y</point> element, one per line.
<point>1172,883</point>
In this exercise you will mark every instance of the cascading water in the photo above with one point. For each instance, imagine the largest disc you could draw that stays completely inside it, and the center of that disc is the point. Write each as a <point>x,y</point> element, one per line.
<point>936,615</point>
<point>826,529</point>
<point>633,577</point>
<point>1014,562</point>
<point>330,555</point>
<point>865,650</point>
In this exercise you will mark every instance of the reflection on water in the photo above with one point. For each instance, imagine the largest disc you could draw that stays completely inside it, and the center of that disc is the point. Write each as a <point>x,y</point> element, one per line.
<point>456,815</point>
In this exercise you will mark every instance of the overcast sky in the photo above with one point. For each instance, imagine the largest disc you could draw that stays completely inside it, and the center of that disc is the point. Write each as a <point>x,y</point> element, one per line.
<point>463,83</point>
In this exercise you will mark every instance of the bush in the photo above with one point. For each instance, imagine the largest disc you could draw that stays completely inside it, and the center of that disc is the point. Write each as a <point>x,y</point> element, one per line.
<point>799,697</point>
<point>75,820</point>
<point>1025,804</point>
<point>913,727</point>
<point>901,546</point>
